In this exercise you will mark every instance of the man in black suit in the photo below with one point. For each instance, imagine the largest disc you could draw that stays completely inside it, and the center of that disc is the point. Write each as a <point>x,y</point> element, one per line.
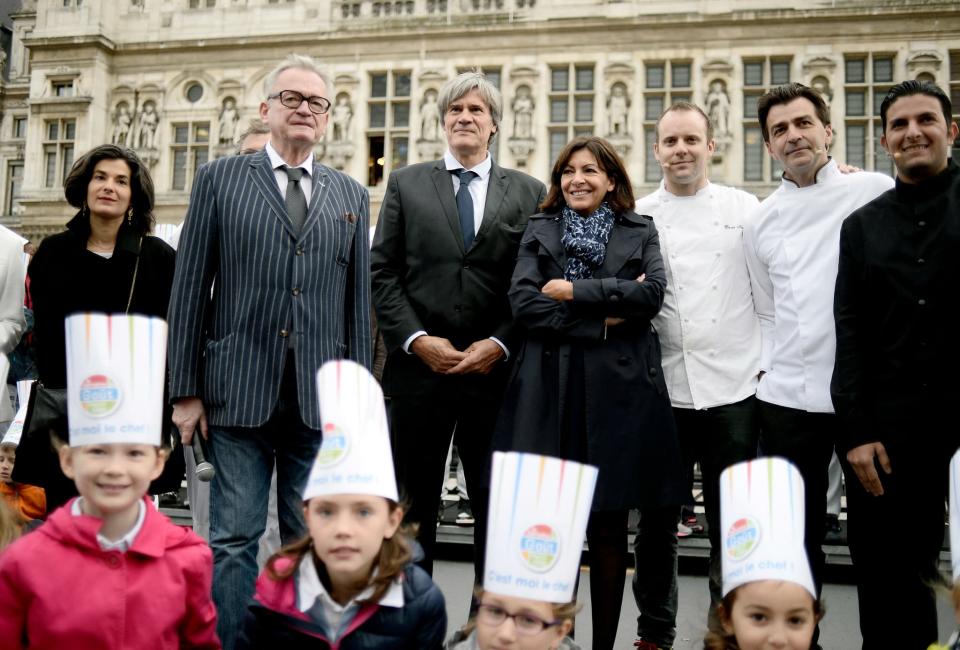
<point>443,253</point>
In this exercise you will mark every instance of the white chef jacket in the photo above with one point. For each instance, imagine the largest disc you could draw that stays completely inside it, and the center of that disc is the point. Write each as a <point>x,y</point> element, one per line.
<point>792,246</point>
<point>709,332</point>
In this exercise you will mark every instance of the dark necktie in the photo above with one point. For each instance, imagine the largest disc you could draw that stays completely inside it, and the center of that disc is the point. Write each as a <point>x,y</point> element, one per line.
<point>295,199</point>
<point>465,205</point>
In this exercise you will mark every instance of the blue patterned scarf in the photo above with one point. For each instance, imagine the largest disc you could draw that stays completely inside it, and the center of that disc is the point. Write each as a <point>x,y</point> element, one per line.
<point>585,241</point>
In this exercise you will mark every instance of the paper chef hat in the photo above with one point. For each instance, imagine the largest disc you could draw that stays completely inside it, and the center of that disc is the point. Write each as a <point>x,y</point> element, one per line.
<point>539,508</point>
<point>762,524</point>
<point>15,430</point>
<point>115,377</point>
<point>955,515</point>
<point>355,456</point>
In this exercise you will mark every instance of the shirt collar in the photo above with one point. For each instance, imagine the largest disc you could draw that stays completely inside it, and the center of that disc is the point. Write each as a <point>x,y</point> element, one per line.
<point>825,174</point>
<point>124,543</point>
<point>277,162</point>
<point>482,170</point>
<point>667,194</point>
<point>310,588</point>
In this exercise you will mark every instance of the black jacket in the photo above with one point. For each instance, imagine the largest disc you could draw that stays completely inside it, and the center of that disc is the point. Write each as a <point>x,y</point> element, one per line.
<point>273,620</point>
<point>66,278</point>
<point>630,433</point>
<point>897,314</point>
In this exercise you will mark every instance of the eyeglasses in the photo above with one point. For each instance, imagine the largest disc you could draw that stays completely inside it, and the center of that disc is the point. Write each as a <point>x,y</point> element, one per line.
<point>526,624</point>
<point>292,99</point>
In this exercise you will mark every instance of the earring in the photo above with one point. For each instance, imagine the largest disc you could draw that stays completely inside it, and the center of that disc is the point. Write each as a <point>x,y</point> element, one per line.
<point>130,216</point>
<point>84,211</point>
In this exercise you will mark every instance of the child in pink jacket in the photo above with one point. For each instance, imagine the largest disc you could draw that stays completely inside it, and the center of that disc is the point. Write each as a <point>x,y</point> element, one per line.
<point>107,570</point>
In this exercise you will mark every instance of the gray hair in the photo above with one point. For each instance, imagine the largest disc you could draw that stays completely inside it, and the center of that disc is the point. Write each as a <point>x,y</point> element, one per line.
<point>464,83</point>
<point>255,127</point>
<point>295,62</point>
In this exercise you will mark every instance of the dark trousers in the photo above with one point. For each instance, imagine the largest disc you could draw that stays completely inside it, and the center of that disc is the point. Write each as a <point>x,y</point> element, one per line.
<point>895,542</point>
<point>716,438</point>
<point>655,576</point>
<point>421,427</point>
<point>806,440</point>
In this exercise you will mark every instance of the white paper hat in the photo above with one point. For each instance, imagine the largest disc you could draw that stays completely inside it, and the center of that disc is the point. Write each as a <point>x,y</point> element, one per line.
<point>115,377</point>
<point>355,456</point>
<point>762,524</point>
<point>15,430</point>
<point>955,514</point>
<point>539,507</point>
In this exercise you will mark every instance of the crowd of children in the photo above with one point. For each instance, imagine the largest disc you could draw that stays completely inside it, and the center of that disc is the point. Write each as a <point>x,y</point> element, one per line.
<point>107,570</point>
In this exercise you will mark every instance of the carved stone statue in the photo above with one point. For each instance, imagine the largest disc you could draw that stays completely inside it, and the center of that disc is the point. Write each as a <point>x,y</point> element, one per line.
<point>617,109</point>
<point>718,108</point>
<point>430,117</point>
<point>228,121</point>
<point>341,117</point>
<point>122,120</point>
<point>822,86</point>
<point>523,114</point>
<point>146,135</point>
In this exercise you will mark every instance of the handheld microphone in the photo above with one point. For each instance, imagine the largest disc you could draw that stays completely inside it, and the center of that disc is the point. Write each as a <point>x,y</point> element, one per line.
<point>204,470</point>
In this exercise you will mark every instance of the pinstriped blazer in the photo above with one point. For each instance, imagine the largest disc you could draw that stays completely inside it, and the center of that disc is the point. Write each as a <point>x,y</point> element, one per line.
<point>270,283</point>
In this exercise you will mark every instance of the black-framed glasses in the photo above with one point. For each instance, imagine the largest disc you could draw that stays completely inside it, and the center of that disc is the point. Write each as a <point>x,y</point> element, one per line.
<point>292,99</point>
<point>526,624</point>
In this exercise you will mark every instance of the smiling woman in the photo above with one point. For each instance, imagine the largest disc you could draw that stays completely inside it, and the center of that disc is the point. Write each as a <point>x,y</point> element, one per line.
<point>104,261</point>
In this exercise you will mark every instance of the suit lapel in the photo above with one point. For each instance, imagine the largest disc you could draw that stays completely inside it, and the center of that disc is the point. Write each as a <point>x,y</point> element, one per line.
<point>266,183</point>
<point>320,184</point>
<point>549,234</point>
<point>628,234</point>
<point>496,193</point>
<point>444,187</point>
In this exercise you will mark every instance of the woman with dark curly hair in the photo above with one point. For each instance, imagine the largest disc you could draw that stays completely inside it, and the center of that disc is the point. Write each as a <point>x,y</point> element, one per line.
<point>587,383</point>
<point>105,261</point>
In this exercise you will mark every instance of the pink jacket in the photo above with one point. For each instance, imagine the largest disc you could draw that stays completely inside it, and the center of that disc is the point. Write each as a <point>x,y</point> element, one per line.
<point>59,590</point>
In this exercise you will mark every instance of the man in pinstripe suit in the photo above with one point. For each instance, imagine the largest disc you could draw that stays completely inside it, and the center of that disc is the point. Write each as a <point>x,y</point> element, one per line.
<point>283,241</point>
<point>442,259</point>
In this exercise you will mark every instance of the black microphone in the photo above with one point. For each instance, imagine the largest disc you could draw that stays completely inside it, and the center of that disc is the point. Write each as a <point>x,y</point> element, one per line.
<point>204,471</point>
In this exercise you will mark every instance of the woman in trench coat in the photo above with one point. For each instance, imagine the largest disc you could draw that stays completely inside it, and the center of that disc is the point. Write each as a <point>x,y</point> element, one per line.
<point>587,383</point>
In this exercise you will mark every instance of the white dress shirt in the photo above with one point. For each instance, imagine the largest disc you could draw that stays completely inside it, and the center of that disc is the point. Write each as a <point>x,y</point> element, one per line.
<point>278,163</point>
<point>310,589</point>
<point>123,544</point>
<point>792,246</point>
<point>478,192</point>
<point>709,332</point>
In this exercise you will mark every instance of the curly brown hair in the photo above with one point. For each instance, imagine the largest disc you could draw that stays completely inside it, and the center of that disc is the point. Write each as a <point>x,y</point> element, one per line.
<point>141,184</point>
<point>395,554</point>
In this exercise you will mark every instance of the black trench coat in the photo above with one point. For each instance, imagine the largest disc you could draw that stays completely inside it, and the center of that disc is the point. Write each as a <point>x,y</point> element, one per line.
<point>631,436</point>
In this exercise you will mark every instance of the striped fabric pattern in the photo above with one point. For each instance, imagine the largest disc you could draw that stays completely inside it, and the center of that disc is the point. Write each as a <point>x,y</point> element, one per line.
<point>229,350</point>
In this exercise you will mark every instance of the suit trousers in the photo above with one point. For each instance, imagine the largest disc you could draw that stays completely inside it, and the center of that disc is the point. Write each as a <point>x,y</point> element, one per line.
<point>421,427</point>
<point>895,541</point>
<point>716,438</point>
<point>244,458</point>
<point>805,439</point>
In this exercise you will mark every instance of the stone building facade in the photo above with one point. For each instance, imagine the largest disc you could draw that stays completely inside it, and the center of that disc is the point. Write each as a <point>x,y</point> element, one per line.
<point>178,79</point>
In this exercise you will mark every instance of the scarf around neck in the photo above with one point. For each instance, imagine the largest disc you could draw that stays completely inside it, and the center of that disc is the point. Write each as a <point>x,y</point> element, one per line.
<point>585,241</point>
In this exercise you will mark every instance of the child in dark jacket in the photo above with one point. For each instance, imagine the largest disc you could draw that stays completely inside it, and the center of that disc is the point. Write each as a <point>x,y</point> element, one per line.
<point>350,584</point>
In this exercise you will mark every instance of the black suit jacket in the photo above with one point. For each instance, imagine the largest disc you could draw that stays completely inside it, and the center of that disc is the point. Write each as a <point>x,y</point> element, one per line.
<point>422,277</point>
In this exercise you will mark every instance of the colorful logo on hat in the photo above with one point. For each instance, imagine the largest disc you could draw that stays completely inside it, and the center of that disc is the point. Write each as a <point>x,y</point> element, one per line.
<point>742,538</point>
<point>99,396</point>
<point>540,547</point>
<point>335,446</point>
